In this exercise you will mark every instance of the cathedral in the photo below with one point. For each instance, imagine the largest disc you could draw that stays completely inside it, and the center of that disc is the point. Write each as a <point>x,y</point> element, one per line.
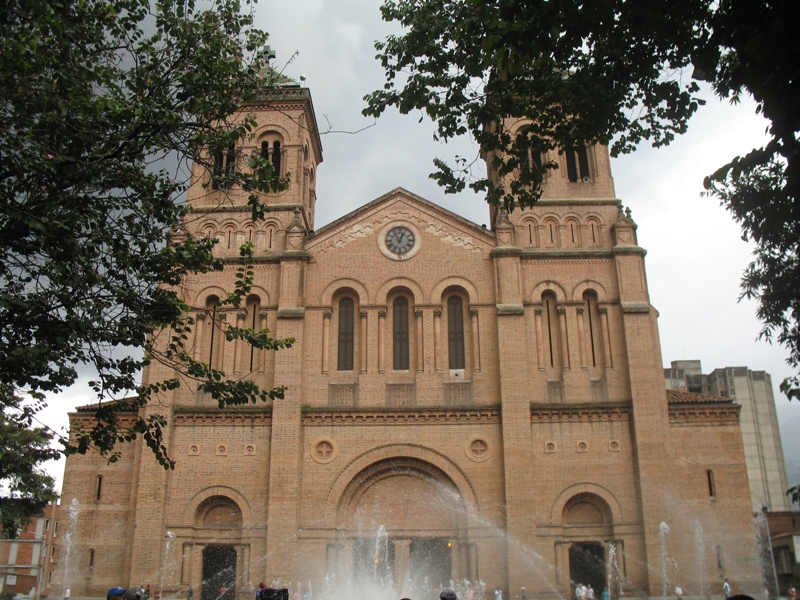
<point>481,406</point>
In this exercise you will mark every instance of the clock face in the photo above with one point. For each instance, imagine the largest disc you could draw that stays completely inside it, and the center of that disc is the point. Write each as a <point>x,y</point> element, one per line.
<point>400,240</point>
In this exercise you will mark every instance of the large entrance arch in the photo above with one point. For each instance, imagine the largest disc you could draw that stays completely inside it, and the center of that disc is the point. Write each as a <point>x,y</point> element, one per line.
<point>402,522</point>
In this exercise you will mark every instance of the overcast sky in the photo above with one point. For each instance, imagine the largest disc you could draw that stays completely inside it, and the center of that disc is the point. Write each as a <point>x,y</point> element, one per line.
<point>695,254</point>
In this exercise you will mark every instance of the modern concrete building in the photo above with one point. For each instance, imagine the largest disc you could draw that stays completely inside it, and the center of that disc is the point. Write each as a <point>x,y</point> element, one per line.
<point>752,390</point>
<point>463,403</point>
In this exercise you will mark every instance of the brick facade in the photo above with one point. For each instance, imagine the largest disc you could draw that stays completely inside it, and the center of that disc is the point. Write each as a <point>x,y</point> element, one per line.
<point>526,429</point>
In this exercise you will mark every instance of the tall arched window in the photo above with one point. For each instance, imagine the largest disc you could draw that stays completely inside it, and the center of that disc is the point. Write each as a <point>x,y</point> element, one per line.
<point>252,321</point>
<point>98,487</point>
<point>401,334</point>
<point>212,335</point>
<point>455,332</point>
<point>551,332</point>
<point>593,317</point>
<point>346,334</point>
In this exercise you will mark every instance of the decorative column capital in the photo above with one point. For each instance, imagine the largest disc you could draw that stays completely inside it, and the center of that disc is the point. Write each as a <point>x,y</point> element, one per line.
<point>363,314</point>
<point>437,313</point>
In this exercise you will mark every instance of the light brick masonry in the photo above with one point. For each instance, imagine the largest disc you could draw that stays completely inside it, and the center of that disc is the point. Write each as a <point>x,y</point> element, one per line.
<point>526,441</point>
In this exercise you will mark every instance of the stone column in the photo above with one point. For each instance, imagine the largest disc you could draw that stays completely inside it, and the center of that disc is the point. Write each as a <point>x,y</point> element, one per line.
<point>198,335</point>
<point>437,340</point>
<point>476,341</point>
<point>455,558</point>
<point>382,341</point>
<point>420,342</point>
<point>237,352</point>
<point>537,320</point>
<point>562,325</point>
<point>363,350</point>
<point>582,336</point>
<point>326,340</point>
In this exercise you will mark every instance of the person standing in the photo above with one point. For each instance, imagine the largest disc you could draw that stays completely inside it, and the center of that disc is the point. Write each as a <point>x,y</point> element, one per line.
<point>66,594</point>
<point>524,594</point>
<point>678,592</point>
<point>589,593</point>
<point>793,593</point>
<point>498,595</point>
<point>726,589</point>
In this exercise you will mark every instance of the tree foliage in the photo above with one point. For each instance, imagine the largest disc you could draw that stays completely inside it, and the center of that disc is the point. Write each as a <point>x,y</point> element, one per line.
<point>24,488</point>
<point>619,72</point>
<point>104,104</point>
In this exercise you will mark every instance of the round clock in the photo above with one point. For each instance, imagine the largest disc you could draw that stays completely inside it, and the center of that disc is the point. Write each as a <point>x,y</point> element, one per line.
<point>400,240</point>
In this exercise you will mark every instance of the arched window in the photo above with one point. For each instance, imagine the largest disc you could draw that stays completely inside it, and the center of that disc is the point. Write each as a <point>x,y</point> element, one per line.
<point>712,491</point>
<point>401,334</point>
<point>98,487</point>
<point>91,558</point>
<point>224,164</point>
<point>346,334</point>
<point>213,335</point>
<point>455,332</point>
<point>593,232</point>
<point>593,318</point>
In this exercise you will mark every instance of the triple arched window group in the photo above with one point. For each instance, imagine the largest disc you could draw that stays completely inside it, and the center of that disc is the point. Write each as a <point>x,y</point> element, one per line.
<point>552,333</point>
<point>400,315</point>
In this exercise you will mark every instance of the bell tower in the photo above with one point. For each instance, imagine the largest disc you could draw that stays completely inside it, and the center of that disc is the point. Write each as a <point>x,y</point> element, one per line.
<point>286,134</point>
<point>581,174</point>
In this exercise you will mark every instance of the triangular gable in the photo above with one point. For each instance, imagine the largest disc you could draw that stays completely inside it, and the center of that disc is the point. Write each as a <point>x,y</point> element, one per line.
<point>369,219</point>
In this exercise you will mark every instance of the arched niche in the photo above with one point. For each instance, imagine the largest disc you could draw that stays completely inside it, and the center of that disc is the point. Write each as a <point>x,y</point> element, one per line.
<point>355,477</point>
<point>353,285</point>
<point>400,282</point>
<point>589,284</point>
<point>469,290</point>
<point>536,294</point>
<point>604,501</point>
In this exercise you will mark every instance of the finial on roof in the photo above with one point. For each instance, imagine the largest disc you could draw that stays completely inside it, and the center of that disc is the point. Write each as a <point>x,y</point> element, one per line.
<point>268,52</point>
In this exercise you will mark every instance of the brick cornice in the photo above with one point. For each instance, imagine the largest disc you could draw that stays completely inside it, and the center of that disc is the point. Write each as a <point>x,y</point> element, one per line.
<point>416,415</point>
<point>217,417</point>
<point>618,411</point>
<point>687,415</point>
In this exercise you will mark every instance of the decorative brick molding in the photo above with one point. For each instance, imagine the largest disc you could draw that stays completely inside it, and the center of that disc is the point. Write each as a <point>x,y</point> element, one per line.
<point>416,416</point>
<point>581,412</point>
<point>223,418</point>
<point>688,415</point>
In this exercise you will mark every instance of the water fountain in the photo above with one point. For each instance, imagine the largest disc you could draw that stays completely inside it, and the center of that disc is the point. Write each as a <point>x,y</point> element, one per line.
<point>73,512</point>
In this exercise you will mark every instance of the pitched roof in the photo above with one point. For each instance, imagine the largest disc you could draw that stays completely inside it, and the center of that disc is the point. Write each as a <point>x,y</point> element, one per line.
<point>680,397</point>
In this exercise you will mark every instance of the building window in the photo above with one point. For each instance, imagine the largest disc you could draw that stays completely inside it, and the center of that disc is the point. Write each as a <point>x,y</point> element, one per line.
<point>400,331</point>
<point>91,558</point>
<point>455,332</point>
<point>224,163</point>
<point>98,487</point>
<point>578,164</point>
<point>532,156</point>
<point>593,316</point>
<point>712,492</point>
<point>551,331</point>
<point>272,154</point>
<point>47,524</point>
<point>252,321</point>
<point>213,335</point>
<point>346,334</point>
